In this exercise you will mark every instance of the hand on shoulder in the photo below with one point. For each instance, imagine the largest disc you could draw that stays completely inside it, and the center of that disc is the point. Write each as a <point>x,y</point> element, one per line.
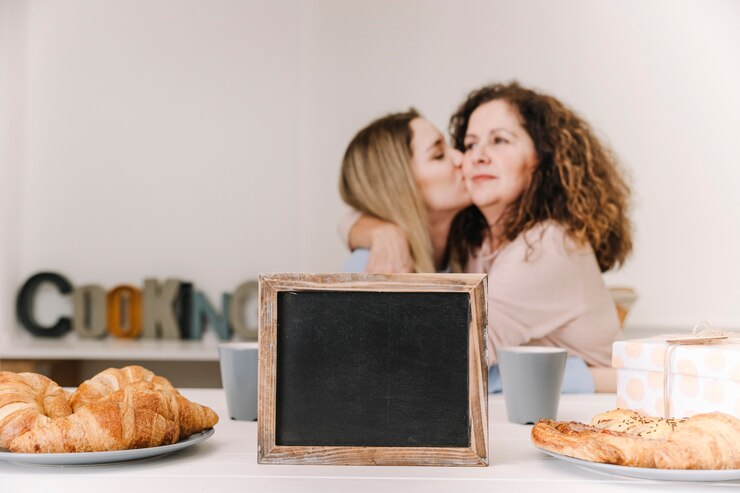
<point>390,251</point>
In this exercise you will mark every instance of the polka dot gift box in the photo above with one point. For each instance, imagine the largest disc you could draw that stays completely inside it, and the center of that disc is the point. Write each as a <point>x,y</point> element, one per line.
<point>701,377</point>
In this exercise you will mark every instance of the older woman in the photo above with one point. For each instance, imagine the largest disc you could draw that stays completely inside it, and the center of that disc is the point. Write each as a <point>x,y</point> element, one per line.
<point>550,217</point>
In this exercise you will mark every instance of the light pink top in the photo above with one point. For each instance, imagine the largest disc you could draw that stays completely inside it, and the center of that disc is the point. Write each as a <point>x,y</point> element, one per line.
<point>555,296</point>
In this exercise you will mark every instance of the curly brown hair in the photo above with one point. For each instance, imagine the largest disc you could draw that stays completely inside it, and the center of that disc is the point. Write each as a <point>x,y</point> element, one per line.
<point>577,182</point>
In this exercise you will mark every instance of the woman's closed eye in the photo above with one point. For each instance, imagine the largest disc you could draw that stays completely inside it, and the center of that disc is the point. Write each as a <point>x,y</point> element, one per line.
<point>499,140</point>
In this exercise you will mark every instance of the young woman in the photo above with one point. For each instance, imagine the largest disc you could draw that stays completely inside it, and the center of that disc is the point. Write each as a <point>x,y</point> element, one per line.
<point>404,179</point>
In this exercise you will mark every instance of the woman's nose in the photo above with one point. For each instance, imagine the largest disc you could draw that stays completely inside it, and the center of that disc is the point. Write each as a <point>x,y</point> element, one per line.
<point>476,155</point>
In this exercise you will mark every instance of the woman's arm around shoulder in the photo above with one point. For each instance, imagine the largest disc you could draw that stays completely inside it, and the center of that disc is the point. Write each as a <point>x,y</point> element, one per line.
<point>389,250</point>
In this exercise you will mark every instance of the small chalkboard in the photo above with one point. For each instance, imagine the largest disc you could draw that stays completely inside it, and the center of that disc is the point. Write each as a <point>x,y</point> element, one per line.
<point>373,369</point>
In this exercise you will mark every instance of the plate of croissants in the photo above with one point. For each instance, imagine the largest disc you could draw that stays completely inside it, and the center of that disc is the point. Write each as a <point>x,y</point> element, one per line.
<point>704,447</point>
<point>120,414</point>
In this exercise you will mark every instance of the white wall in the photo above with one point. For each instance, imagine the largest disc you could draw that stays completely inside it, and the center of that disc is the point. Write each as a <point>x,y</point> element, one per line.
<point>202,140</point>
<point>11,156</point>
<point>658,78</point>
<point>160,140</point>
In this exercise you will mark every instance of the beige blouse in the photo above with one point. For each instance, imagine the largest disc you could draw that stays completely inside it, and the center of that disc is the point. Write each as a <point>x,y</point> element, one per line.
<point>552,296</point>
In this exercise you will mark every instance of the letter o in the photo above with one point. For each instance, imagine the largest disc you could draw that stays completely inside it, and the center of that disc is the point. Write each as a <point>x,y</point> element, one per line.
<point>131,296</point>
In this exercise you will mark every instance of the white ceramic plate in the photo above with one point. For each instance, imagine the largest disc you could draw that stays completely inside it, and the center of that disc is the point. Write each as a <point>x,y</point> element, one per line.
<point>647,473</point>
<point>90,458</point>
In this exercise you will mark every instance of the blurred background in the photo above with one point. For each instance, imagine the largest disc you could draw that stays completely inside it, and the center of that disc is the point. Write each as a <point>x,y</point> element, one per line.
<point>201,140</point>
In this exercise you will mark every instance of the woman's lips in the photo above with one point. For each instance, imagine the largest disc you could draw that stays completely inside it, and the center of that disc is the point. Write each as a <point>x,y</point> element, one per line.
<point>481,178</point>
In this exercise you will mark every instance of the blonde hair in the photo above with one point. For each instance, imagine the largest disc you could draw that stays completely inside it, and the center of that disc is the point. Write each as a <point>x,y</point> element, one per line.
<point>376,179</point>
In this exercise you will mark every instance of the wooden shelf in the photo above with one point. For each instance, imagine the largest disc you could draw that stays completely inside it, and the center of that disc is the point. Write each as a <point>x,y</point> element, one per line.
<point>25,346</point>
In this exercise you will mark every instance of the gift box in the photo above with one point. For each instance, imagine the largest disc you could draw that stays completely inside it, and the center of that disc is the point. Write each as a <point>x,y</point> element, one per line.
<point>700,377</point>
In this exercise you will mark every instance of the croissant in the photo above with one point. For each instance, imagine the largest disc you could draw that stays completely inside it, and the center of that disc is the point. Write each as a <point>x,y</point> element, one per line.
<point>189,416</point>
<point>113,379</point>
<point>27,399</point>
<point>107,424</point>
<point>704,441</point>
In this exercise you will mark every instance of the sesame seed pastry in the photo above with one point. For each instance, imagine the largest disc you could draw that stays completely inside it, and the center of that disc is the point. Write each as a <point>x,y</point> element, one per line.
<point>628,438</point>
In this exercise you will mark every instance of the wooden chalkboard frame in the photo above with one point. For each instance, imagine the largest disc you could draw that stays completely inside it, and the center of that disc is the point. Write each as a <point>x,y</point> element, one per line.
<point>473,284</point>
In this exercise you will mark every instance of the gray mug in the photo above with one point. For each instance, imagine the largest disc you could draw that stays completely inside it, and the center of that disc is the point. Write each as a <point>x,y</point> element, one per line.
<point>532,378</point>
<point>239,363</point>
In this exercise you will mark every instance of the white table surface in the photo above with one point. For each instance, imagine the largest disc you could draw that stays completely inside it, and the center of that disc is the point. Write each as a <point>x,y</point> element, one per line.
<point>228,462</point>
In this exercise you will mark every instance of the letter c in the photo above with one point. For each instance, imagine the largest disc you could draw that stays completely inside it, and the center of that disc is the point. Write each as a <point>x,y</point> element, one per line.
<point>24,305</point>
